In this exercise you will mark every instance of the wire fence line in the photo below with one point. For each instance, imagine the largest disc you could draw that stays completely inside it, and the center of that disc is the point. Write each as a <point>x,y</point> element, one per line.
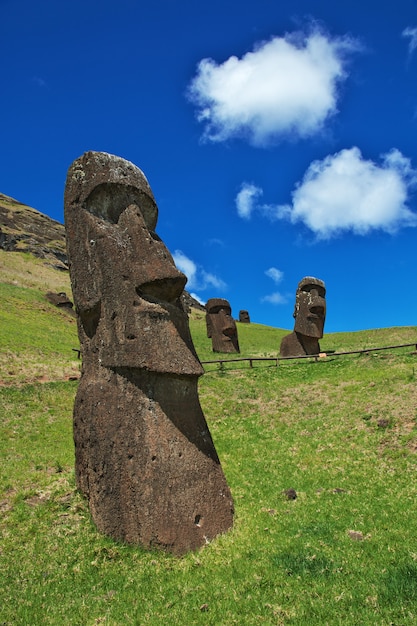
<point>316,357</point>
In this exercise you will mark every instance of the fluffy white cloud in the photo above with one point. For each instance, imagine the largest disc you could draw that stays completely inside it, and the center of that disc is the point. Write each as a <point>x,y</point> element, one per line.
<point>275,274</point>
<point>198,278</point>
<point>411,33</point>
<point>345,192</point>
<point>246,199</point>
<point>285,86</point>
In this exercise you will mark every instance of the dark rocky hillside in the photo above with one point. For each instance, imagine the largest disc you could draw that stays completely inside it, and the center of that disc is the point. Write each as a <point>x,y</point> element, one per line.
<point>24,229</point>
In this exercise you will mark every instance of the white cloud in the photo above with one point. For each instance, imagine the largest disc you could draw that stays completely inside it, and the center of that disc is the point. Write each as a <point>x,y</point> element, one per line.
<point>275,274</point>
<point>196,297</point>
<point>246,199</point>
<point>345,192</point>
<point>210,280</point>
<point>285,86</point>
<point>275,298</point>
<point>187,266</point>
<point>198,278</point>
<point>412,34</point>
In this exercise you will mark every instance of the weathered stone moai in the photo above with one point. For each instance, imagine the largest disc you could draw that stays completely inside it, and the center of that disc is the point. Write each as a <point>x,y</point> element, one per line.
<point>309,314</point>
<point>61,301</point>
<point>244,317</point>
<point>145,459</point>
<point>221,327</point>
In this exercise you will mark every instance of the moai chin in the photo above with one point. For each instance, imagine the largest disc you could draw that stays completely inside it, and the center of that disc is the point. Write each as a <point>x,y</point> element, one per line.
<point>221,327</point>
<point>310,315</point>
<point>244,317</point>
<point>145,459</point>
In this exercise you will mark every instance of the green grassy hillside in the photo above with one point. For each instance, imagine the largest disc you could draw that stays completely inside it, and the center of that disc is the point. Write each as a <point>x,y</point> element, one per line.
<point>341,432</point>
<point>36,338</point>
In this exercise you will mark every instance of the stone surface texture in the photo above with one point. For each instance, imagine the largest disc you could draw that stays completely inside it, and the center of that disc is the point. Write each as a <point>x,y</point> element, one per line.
<point>61,301</point>
<point>221,327</point>
<point>145,459</point>
<point>310,315</point>
<point>244,317</point>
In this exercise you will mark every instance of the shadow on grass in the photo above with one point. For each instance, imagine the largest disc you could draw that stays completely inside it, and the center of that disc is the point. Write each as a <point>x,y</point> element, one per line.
<point>298,564</point>
<point>399,584</point>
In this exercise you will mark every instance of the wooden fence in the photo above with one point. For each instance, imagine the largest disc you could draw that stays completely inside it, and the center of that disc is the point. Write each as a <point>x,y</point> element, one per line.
<point>316,357</point>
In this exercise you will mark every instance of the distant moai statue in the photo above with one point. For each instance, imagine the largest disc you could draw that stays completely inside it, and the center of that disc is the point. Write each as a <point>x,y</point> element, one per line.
<point>244,317</point>
<point>221,327</point>
<point>145,459</point>
<point>310,315</point>
<point>61,300</point>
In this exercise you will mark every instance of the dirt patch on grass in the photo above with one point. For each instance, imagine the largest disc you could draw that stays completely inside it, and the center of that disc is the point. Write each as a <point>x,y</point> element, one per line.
<point>16,371</point>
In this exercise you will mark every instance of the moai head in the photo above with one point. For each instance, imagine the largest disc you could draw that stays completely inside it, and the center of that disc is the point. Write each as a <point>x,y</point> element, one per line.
<point>221,327</point>
<point>125,284</point>
<point>310,307</point>
<point>60,299</point>
<point>244,317</point>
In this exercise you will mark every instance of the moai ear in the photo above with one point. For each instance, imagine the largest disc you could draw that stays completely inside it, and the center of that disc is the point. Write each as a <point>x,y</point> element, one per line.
<point>82,235</point>
<point>209,326</point>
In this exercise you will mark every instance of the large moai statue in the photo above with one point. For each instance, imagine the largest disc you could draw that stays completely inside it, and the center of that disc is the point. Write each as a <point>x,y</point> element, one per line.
<point>244,317</point>
<point>221,327</point>
<point>310,315</point>
<point>145,459</point>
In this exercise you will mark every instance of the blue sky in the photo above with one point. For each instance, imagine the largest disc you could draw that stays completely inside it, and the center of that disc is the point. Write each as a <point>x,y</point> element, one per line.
<point>279,138</point>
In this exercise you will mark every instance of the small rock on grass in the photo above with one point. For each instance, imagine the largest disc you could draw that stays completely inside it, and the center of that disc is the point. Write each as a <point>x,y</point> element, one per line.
<point>356,535</point>
<point>290,494</point>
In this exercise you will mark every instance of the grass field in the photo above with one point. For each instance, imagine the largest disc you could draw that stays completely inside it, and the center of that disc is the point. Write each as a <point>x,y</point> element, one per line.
<point>340,432</point>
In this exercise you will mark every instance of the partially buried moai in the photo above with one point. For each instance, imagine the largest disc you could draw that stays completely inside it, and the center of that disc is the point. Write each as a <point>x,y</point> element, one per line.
<point>309,314</point>
<point>244,317</point>
<point>145,459</point>
<point>221,327</point>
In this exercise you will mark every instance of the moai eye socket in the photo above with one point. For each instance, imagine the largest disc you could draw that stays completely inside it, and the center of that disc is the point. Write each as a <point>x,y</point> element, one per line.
<point>108,201</point>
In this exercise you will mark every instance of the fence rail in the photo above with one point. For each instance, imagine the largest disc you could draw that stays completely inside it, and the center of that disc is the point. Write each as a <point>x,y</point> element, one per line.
<point>316,357</point>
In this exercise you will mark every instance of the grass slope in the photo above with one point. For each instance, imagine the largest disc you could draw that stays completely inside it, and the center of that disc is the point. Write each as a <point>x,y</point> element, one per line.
<point>341,432</point>
<point>25,270</point>
<point>36,338</point>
